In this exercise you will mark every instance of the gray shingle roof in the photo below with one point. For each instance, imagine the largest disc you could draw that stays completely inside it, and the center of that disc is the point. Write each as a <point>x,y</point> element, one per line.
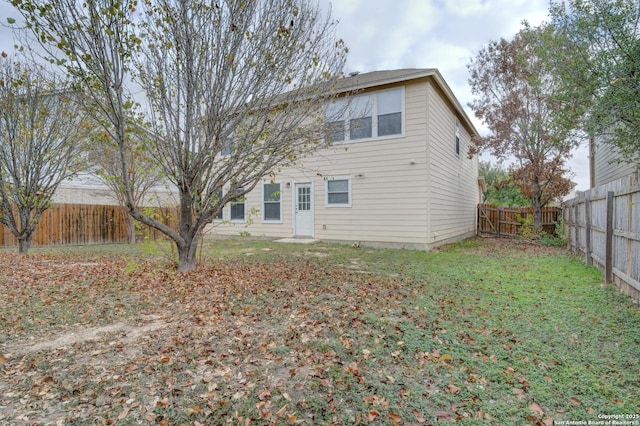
<point>378,78</point>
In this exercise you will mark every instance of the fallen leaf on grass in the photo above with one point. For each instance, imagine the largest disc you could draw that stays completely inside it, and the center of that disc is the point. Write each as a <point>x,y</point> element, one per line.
<point>419,417</point>
<point>124,413</point>
<point>445,358</point>
<point>281,411</point>
<point>395,419</point>
<point>440,415</point>
<point>618,402</point>
<point>536,409</point>
<point>453,389</point>
<point>354,369</point>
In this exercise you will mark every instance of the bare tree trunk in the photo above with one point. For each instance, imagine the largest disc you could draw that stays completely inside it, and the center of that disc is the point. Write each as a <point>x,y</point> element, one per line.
<point>537,215</point>
<point>24,244</point>
<point>187,254</point>
<point>131,228</point>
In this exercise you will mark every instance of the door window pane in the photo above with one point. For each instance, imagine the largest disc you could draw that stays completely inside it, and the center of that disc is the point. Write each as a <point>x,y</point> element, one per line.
<point>304,198</point>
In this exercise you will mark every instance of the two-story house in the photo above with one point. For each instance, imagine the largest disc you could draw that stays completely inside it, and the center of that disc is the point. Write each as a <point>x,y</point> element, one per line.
<point>605,164</point>
<point>397,173</point>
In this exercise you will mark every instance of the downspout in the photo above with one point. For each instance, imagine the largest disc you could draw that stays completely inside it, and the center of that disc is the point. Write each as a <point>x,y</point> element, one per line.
<point>592,162</point>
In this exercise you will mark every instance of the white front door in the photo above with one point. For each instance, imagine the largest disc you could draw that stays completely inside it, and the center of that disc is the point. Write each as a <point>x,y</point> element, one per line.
<point>303,210</point>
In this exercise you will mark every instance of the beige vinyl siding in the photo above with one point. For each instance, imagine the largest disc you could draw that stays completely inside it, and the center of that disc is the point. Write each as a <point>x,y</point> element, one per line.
<point>387,204</point>
<point>607,169</point>
<point>102,195</point>
<point>254,224</point>
<point>453,177</point>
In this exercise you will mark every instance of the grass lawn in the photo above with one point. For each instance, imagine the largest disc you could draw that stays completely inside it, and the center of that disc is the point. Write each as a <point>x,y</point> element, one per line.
<point>481,332</point>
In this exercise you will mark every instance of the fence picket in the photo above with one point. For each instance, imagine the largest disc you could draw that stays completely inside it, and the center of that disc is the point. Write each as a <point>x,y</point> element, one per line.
<point>503,221</point>
<point>610,216</point>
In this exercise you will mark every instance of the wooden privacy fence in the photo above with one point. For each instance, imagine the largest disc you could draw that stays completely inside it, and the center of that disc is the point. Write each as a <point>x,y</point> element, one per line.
<point>77,224</point>
<point>507,221</point>
<point>604,224</point>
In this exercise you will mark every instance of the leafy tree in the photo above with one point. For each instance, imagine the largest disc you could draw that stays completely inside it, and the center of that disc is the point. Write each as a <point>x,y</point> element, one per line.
<point>235,88</point>
<point>596,55</point>
<point>527,122</point>
<point>41,137</point>
<point>501,188</point>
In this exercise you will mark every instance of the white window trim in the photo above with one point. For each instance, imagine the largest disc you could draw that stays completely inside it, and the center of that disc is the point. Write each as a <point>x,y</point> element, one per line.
<point>374,119</point>
<point>263,201</point>
<point>326,192</point>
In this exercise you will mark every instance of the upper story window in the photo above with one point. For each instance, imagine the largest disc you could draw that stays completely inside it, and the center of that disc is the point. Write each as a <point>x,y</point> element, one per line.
<point>360,117</point>
<point>369,116</point>
<point>390,112</point>
<point>457,137</point>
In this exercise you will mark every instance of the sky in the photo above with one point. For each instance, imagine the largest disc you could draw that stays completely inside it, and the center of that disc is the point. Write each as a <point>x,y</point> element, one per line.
<point>442,34</point>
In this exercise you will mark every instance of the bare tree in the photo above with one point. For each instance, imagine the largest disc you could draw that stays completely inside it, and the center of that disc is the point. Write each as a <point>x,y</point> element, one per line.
<point>528,122</point>
<point>41,137</point>
<point>144,173</point>
<point>236,88</point>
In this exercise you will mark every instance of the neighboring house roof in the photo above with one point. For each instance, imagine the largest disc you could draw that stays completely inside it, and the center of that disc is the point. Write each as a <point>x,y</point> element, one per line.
<point>357,81</point>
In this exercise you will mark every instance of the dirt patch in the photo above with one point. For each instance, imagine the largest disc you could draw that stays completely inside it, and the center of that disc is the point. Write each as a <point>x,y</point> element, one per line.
<point>494,246</point>
<point>128,333</point>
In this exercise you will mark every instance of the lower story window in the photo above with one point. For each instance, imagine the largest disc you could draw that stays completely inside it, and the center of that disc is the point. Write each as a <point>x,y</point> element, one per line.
<point>271,204</point>
<point>339,192</point>
<point>218,197</point>
<point>237,207</point>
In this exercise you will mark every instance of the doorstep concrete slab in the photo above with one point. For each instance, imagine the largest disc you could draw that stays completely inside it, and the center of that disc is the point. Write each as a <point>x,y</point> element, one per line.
<point>298,240</point>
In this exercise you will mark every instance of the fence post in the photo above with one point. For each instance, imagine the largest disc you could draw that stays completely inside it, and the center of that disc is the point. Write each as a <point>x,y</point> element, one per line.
<point>587,218</point>
<point>609,239</point>
<point>576,230</point>
<point>499,220</point>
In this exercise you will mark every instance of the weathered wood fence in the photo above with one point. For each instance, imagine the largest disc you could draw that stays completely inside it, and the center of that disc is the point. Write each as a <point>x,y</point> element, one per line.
<point>77,224</point>
<point>507,221</point>
<point>604,224</point>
